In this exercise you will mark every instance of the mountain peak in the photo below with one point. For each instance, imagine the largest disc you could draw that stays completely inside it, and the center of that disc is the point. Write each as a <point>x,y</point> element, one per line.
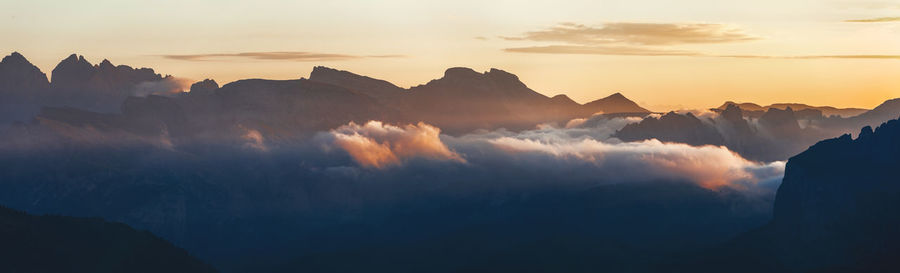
<point>460,72</point>
<point>204,87</point>
<point>615,103</point>
<point>15,58</point>
<point>369,86</point>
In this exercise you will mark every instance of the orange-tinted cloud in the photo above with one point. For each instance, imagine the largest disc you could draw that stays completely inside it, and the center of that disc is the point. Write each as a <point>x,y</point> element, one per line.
<point>601,50</point>
<point>379,145</point>
<point>875,20</point>
<point>637,33</point>
<point>710,166</point>
<point>298,56</point>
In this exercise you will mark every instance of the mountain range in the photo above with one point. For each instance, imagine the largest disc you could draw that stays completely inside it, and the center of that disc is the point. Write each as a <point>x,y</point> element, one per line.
<point>776,134</point>
<point>756,110</point>
<point>461,101</point>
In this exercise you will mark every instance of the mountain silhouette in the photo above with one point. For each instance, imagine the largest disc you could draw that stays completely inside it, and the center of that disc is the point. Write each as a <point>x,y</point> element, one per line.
<point>835,211</point>
<point>615,103</point>
<point>672,127</point>
<point>461,101</point>
<point>379,89</point>
<point>69,244</point>
<point>756,110</point>
<point>22,86</point>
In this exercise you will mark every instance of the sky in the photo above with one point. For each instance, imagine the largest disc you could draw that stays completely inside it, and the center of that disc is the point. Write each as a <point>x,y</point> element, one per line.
<point>665,55</point>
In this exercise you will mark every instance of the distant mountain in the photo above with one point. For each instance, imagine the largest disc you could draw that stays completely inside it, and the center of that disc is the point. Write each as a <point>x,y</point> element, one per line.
<point>70,244</point>
<point>615,103</point>
<point>755,110</point>
<point>22,85</point>
<point>76,82</point>
<point>835,211</point>
<point>464,100</point>
<point>672,127</point>
<point>460,102</point>
<point>375,88</point>
<point>775,134</point>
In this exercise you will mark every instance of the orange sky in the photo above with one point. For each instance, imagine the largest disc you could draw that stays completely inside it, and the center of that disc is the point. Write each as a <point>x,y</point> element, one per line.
<point>663,54</point>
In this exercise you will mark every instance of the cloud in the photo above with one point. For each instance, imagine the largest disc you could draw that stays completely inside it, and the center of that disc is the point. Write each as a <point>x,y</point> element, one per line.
<point>600,50</point>
<point>165,87</point>
<point>875,20</point>
<point>710,166</point>
<point>812,57</point>
<point>298,56</point>
<point>566,155</point>
<point>254,140</point>
<point>378,145</point>
<point>637,34</point>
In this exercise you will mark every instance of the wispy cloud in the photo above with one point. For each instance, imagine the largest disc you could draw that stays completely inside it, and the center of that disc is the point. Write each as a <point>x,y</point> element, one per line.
<point>875,20</point>
<point>298,56</point>
<point>643,51</point>
<point>637,33</point>
<point>600,50</point>
<point>813,57</point>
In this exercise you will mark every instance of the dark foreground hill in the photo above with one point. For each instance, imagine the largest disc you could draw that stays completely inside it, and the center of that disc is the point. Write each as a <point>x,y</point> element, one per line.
<point>835,211</point>
<point>70,244</point>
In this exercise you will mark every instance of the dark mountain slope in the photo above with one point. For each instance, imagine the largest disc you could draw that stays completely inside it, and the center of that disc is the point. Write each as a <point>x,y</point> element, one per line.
<point>835,211</point>
<point>70,244</point>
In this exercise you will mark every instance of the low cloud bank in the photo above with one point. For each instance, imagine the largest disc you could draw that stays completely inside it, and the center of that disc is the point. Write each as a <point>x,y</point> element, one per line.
<point>579,153</point>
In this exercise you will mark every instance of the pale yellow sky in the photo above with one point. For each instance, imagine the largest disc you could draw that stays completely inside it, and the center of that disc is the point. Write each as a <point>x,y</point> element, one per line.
<point>663,54</point>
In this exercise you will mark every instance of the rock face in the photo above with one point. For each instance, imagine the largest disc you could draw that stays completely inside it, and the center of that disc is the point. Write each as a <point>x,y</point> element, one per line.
<point>71,244</point>
<point>835,211</point>
<point>837,204</point>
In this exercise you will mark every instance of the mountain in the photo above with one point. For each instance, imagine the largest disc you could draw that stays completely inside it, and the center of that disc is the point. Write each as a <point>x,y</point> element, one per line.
<point>464,100</point>
<point>835,211</point>
<point>103,87</point>
<point>755,110</point>
<point>773,134</point>
<point>21,85</point>
<point>672,127</point>
<point>615,103</point>
<point>379,89</point>
<point>69,244</point>
<point>459,102</point>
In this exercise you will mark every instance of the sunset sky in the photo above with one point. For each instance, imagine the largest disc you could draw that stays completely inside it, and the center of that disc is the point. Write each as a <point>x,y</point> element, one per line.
<point>663,54</point>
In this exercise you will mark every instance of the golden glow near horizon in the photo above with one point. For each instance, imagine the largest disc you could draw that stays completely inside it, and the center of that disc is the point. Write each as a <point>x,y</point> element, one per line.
<point>665,55</point>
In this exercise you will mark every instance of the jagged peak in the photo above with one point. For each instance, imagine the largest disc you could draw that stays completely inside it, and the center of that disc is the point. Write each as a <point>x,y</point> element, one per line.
<point>106,62</point>
<point>15,57</point>
<point>865,132</point>
<point>498,73</point>
<point>207,85</point>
